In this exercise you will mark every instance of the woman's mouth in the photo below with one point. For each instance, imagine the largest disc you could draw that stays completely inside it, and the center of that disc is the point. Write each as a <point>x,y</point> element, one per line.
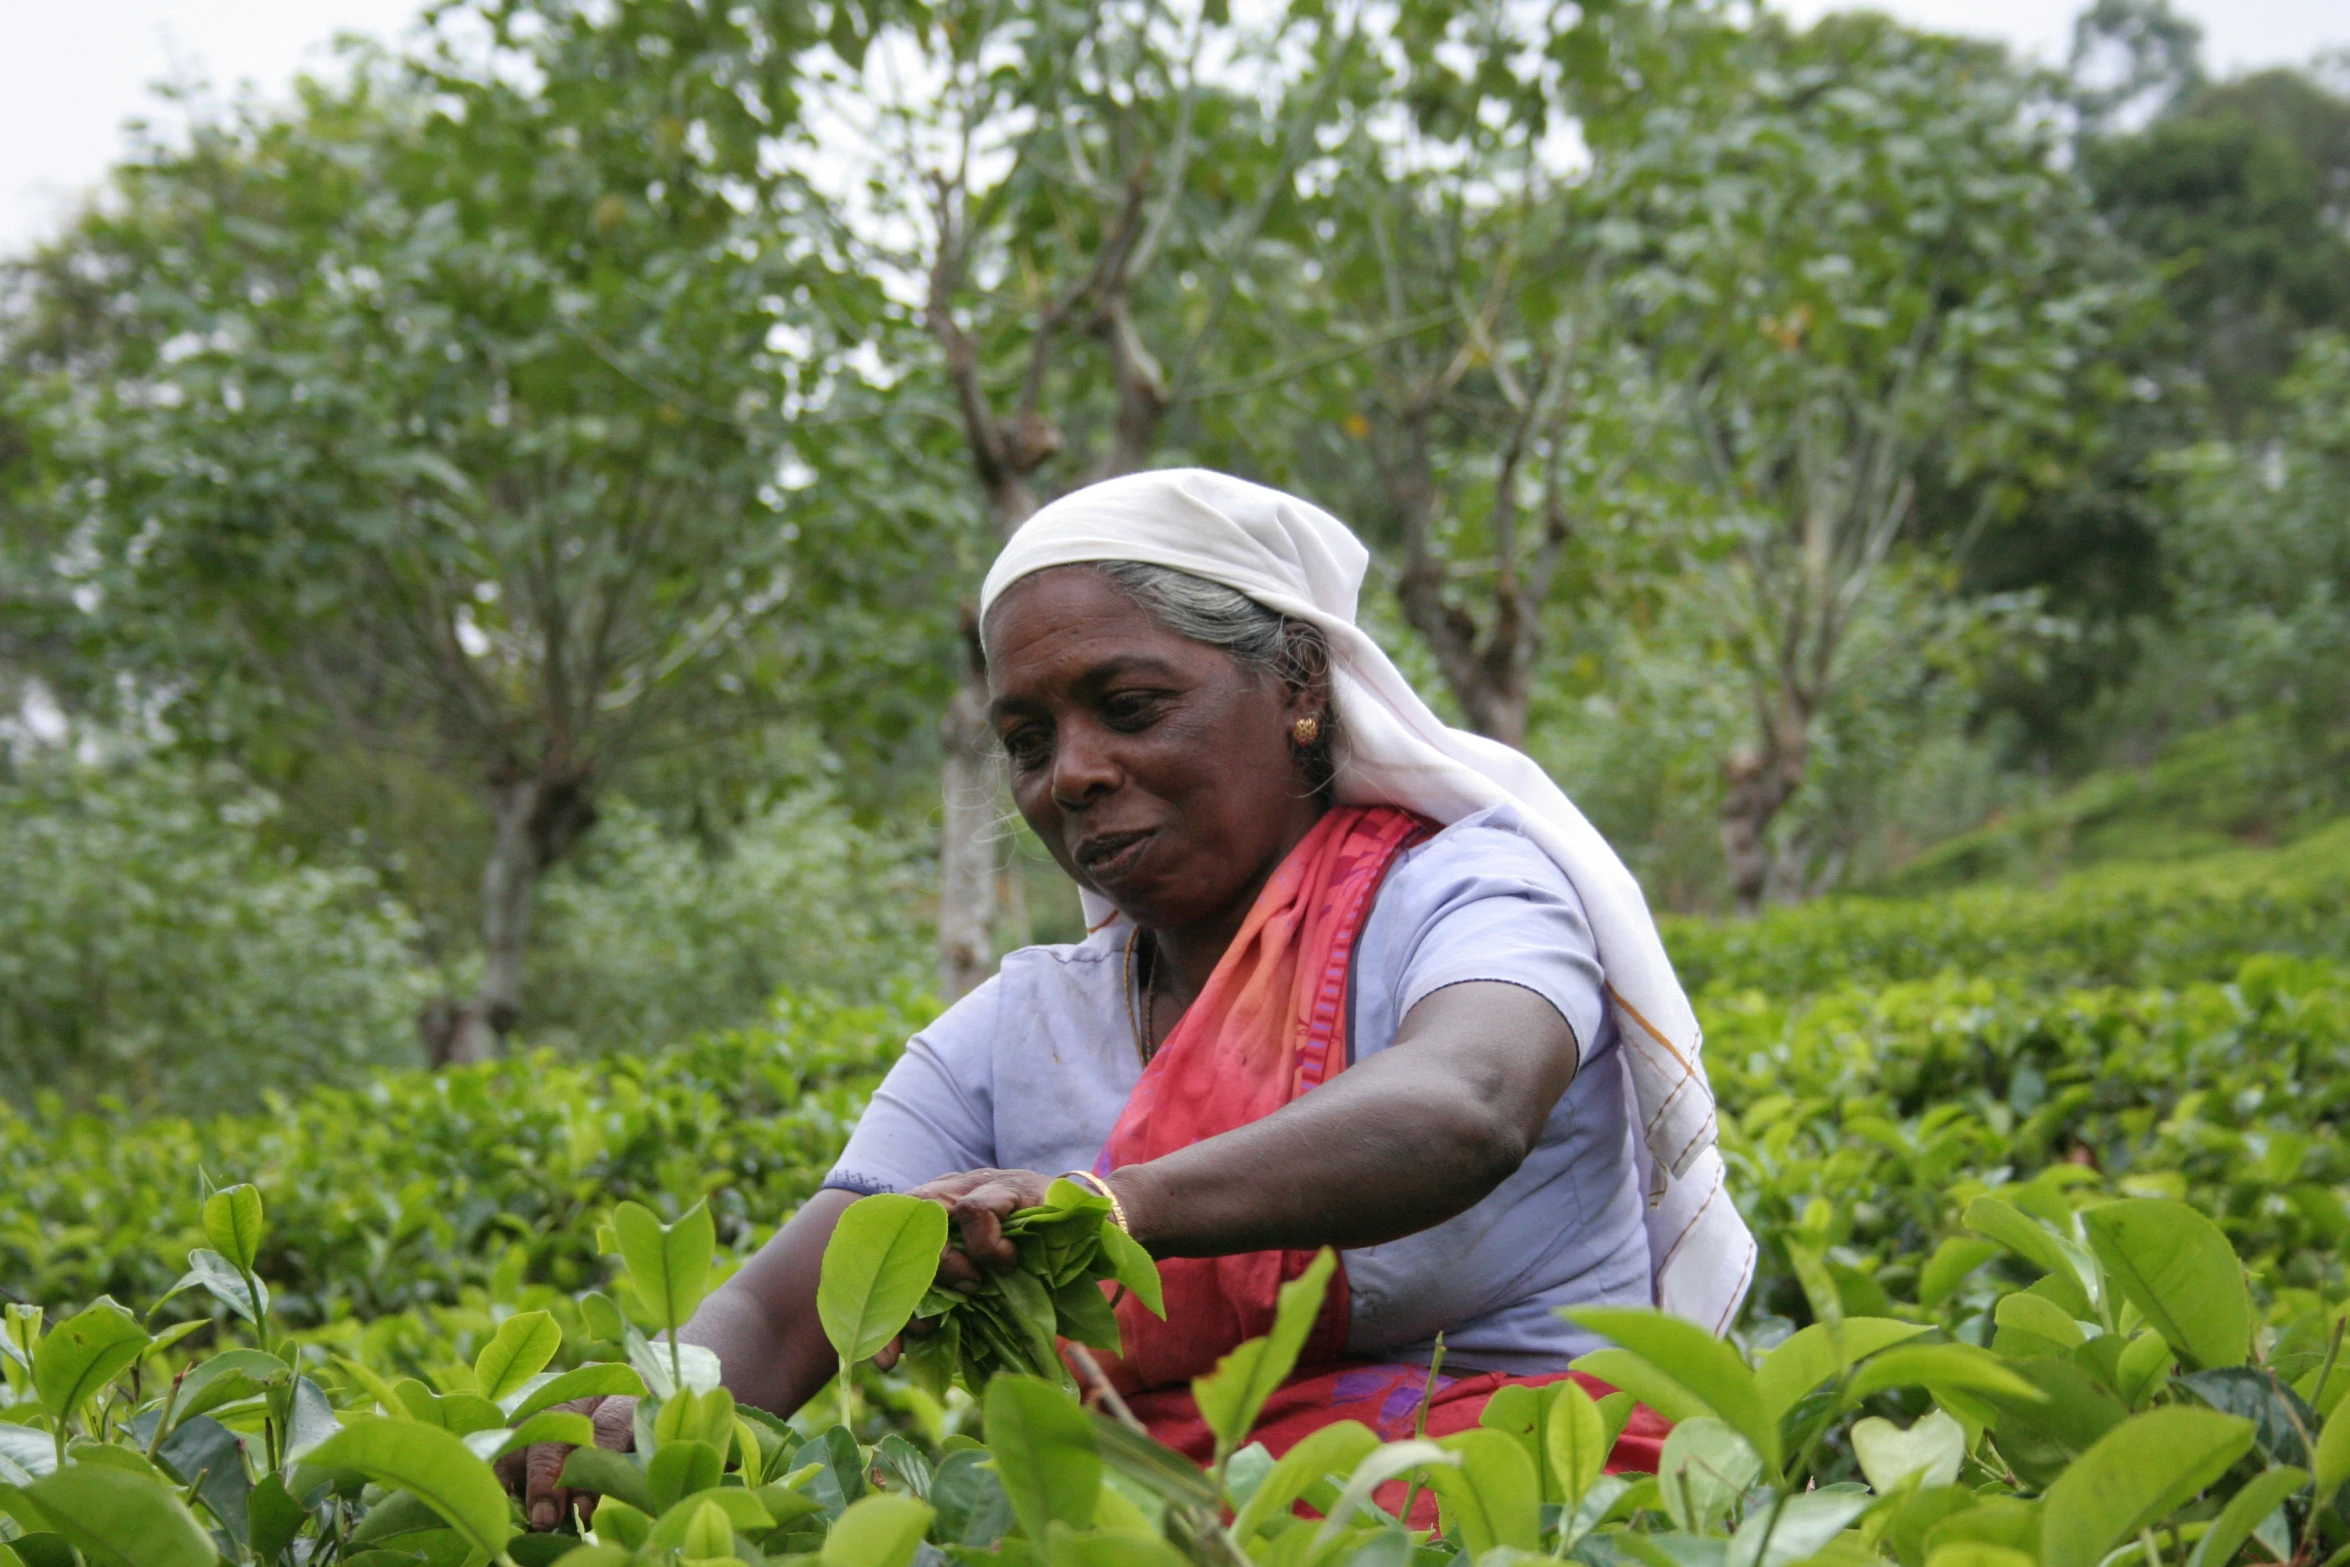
<point>1109,857</point>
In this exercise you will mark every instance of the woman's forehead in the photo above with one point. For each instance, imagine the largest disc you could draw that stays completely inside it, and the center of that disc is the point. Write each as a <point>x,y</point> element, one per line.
<point>1071,623</point>
<point>1060,595</point>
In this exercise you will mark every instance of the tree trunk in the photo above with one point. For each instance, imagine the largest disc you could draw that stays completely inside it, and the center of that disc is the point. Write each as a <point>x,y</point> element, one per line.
<point>966,853</point>
<point>1761,782</point>
<point>534,822</point>
<point>1489,673</point>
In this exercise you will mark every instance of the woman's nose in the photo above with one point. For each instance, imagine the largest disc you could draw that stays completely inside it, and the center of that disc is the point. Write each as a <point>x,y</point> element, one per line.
<point>1083,768</point>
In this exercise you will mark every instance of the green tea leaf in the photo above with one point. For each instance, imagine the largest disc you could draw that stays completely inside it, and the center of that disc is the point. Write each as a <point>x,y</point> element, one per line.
<point>566,1426</point>
<point>1231,1395</point>
<point>1706,1466</point>
<point>1044,1453</point>
<point>1795,1527</point>
<point>1575,1440</point>
<point>2175,1266</point>
<point>1031,1315</point>
<point>2331,1461</point>
<point>1947,1268</point>
<point>1132,1266</point>
<point>604,1378</point>
<point>1152,1465</point>
<point>84,1353</point>
<point>232,1223</point>
<point>1979,1553</point>
<point>2137,1474</point>
<point>1110,1548</point>
<point>1960,1367</point>
<point>2262,1495</point>
<point>2075,1273</point>
<point>681,1469</point>
<point>668,1264</point>
<point>608,1474</point>
<point>1332,1450</point>
<point>1810,1356</point>
<point>1694,1358</point>
<point>1630,1374</point>
<point>1494,1497</point>
<point>1387,1463</point>
<point>880,1531</point>
<point>122,1518</point>
<point>273,1516</point>
<point>2142,1368</point>
<point>736,1509</point>
<point>518,1351</point>
<point>1932,1449</point>
<point>430,1462</point>
<point>882,1256</point>
<point>30,1450</point>
<point>209,1271</point>
<point>1085,1315</point>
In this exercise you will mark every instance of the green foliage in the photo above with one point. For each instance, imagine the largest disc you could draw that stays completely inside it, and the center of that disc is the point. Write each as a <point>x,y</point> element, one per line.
<point>883,1255</point>
<point>157,946</point>
<point>425,1191</point>
<point>2049,1183</point>
<point>2238,192</point>
<point>1069,1248</point>
<point>2125,924</point>
<point>647,935</point>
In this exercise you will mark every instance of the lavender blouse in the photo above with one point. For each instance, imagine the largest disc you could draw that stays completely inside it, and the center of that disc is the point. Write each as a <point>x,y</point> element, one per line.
<point>1030,1071</point>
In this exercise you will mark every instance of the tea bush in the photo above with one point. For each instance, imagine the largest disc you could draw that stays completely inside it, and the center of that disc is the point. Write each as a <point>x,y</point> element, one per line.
<point>2125,1403</point>
<point>2136,925</point>
<point>409,1190</point>
<point>2049,1185</point>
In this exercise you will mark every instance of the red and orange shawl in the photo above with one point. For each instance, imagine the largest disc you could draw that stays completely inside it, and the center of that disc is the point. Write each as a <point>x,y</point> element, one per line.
<point>1271,1025</point>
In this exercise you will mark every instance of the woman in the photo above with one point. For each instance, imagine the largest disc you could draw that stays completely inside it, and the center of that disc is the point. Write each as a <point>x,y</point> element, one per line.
<point>1352,979</point>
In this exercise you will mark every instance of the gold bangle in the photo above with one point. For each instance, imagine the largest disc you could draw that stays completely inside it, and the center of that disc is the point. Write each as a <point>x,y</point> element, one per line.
<point>1117,1208</point>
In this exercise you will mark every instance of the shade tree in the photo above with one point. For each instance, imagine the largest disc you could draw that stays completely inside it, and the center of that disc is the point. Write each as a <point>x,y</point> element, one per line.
<point>451,413</point>
<point>1864,264</point>
<point>1070,200</point>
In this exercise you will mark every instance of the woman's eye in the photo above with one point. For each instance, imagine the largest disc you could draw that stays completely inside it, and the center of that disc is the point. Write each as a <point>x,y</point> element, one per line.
<point>1027,747</point>
<point>1131,710</point>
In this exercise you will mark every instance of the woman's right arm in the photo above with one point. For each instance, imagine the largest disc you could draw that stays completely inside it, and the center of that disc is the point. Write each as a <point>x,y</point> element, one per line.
<point>761,1324</point>
<point>772,1352</point>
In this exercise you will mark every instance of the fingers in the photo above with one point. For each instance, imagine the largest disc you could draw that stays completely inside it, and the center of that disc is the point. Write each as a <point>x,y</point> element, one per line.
<point>958,1272</point>
<point>977,1203</point>
<point>544,1497</point>
<point>976,1216</point>
<point>615,1422</point>
<point>887,1355</point>
<point>949,1187</point>
<point>536,1473</point>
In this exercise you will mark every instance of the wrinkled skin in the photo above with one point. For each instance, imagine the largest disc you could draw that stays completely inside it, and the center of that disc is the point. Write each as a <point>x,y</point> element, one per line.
<point>1163,775</point>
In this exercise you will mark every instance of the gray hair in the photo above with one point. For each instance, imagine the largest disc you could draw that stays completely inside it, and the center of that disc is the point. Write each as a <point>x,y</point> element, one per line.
<point>1263,641</point>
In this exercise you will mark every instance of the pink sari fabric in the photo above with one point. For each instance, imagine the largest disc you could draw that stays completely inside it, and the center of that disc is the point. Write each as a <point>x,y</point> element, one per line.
<point>1269,1026</point>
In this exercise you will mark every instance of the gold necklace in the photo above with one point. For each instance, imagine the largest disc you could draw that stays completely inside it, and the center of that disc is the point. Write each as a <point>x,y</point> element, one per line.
<point>1146,1043</point>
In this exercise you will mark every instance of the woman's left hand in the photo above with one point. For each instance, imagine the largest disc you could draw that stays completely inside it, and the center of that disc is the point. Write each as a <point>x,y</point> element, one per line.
<point>977,1203</point>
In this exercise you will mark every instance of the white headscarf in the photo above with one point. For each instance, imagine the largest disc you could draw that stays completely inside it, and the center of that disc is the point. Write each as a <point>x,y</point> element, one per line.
<point>1295,558</point>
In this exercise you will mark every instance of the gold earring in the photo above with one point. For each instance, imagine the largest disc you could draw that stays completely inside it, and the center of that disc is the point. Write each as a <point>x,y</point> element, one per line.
<point>1306,730</point>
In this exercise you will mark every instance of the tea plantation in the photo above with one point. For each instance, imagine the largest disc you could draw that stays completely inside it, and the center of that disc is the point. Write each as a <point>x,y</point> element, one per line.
<point>2049,1181</point>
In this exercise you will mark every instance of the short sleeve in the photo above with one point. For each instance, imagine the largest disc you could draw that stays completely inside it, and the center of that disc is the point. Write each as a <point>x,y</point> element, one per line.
<point>934,1112</point>
<point>1480,901</point>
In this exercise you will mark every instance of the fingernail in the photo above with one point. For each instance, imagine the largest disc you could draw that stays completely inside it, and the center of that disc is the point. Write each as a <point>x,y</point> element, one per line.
<point>542,1515</point>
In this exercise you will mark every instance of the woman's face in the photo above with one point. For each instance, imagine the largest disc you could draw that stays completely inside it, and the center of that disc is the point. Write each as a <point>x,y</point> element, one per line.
<point>1158,771</point>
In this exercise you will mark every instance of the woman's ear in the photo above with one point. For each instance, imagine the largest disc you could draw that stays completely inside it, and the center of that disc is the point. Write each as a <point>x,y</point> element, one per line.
<point>1305,676</point>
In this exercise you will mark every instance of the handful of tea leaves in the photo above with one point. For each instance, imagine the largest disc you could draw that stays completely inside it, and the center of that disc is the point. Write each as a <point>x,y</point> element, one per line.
<point>1068,1246</point>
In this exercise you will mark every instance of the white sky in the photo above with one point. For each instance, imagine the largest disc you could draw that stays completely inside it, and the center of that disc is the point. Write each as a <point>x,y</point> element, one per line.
<point>73,71</point>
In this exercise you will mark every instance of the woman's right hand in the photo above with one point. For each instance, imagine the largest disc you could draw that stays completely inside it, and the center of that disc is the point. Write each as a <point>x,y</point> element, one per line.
<point>536,1473</point>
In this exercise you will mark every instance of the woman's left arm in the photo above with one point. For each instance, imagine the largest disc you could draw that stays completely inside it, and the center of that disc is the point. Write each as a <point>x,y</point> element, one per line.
<point>1401,1141</point>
